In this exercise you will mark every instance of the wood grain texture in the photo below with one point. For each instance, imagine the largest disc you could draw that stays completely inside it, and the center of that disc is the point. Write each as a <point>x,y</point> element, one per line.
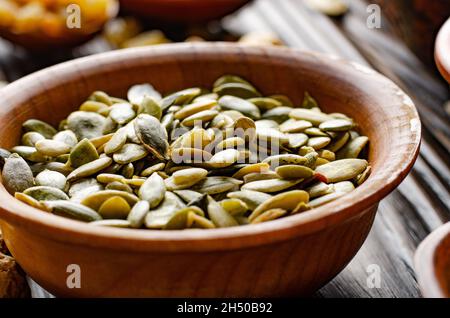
<point>432,262</point>
<point>321,241</point>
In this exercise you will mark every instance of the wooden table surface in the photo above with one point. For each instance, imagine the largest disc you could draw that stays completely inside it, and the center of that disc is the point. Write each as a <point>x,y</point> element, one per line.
<point>410,213</point>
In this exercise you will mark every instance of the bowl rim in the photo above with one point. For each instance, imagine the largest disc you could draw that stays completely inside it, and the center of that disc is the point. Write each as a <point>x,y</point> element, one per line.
<point>425,263</point>
<point>442,50</point>
<point>364,197</point>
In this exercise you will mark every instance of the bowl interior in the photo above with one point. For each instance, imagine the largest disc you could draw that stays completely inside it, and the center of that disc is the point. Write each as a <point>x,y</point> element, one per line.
<point>385,114</point>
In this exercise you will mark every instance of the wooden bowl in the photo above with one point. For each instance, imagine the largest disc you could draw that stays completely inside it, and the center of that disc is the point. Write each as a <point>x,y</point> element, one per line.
<point>39,41</point>
<point>442,51</point>
<point>432,262</point>
<point>291,256</point>
<point>184,11</point>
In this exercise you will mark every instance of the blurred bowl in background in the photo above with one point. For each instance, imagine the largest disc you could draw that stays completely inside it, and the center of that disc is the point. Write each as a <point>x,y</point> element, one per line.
<point>442,51</point>
<point>37,32</point>
<point>182,11</point>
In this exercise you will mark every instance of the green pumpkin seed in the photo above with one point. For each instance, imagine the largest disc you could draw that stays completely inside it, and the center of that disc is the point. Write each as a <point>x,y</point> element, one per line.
<point>362,177</point>
<point>295,126</point>
<point>102,97</point>
<point>83,153</point>
<point>119,186</point>
<point>196,221</point>
<point>67,137</point>
<point>150,170</point>
<point>200,117</point>
<point>254,168</point>
<point>4,154</point>
<point>179,220</point>
<point>353,148</point>
<point>225,79</point>
<point>180,98</point>
<point>287,201</point>
<point>240,90</point>
<point>30,138</point>
<point>259,176</point>
<point>294,172</point>
<point>234,206</point>
<point>114,208</point>
<point>338,142</point>
<point>40,127</point>
<point>122,113</point>
<point>342,170</point>
<point>265,103</point>
<point>89,169</point>
<point>130,153</point>
<point>93,106</point>
<point>51,179</point>
<point>29,153</point>
<point>29,200</point>
<point>16,174</point>
<point>336,125</point>
<point>313,117</point>
<point>150,106</point>
<point>319,189</point>
<point>270,186</point>
<point>153,190</point>
<point>137,215</point>
<point>189,196</point>
<point>159,217</point>
<point>309,102</point>
<point>241,105</point>
<point>251,198</point>
<point>45,193</point>
<point>152,135</point>
<point>218,215</point>
<point>315,132</point>
<point>112,223</point>
<point>281,160</point>
<point>344,186</point>
<point>269,215</point>
<point>95,200</point>
<point>297,140</point>
<point>137,93</point>
<point>279,114</point>
<point>325,199</point>
<point>86,124</point>
<point>318,142</point>
<point>52,148</point>
<point>270,135</point>
<point>72,210</point>
<point>215,185</point>
<point>224,158</point>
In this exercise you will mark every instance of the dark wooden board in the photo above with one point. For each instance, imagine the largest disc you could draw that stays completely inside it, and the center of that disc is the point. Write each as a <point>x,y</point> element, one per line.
<point>410,213</point>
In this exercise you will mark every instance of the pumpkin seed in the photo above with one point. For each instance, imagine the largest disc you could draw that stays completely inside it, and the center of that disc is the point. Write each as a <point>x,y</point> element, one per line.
<point>254,168</point>
<point>287,201</point>
<point>4,154</point>
<point>29,153</point>
<point>362,177</point>
<point>180,98</point>
<point>179,220</point>
<point>30,138</point>
<point>240,90</point>
<point>319,142</point>
<point>86,124</point>
<point>295,126</point>
<point>269,215</point>
<point>102,97</point>
<point>159,217</point>
<point>270,186</point>
<point>241,105</point>
<point>315,132</point>
<point>122,113</point>
<point>16,174</point>
<point>313,117</point>
<point>224,158</point>
<point>72,210</point>
<point>200,117</point>
<point>338,142</point>
<point>52,148</point>
<point>152,135</point>
<point>234,206</point>
<point>137,93</point>
<point>51,179</point>
<point>309,102</point>
<point>279,114</point>
<point>137,215</point>
<point>319,189</point>
<point>281,160</point>
<point>150,170</point>
<point>258,176</point>
<point>218,215</point>
<point>89,169</point>
<point>114,208</point>
<point>67,136</point>
<point>95,200</point>
<point>45,193</point>
<point>112,223</point>
<point>342,170</point>
<point>337,125</point>
<point>294,172</point>
<point>225,79</point>
<point>297,140</point>
<point>215,185</point>
<point>119,186</point>
<point>130,153</point>
<point>196,221</point>
<point>353,148</point>
<point>40,127</point>
<point>93,106</point>
<point>265,103</point>
<point>153,190</point>
<point>29,200</point>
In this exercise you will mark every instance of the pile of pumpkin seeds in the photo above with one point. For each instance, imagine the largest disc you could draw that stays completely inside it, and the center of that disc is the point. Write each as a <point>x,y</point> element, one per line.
<point>196,158</point>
